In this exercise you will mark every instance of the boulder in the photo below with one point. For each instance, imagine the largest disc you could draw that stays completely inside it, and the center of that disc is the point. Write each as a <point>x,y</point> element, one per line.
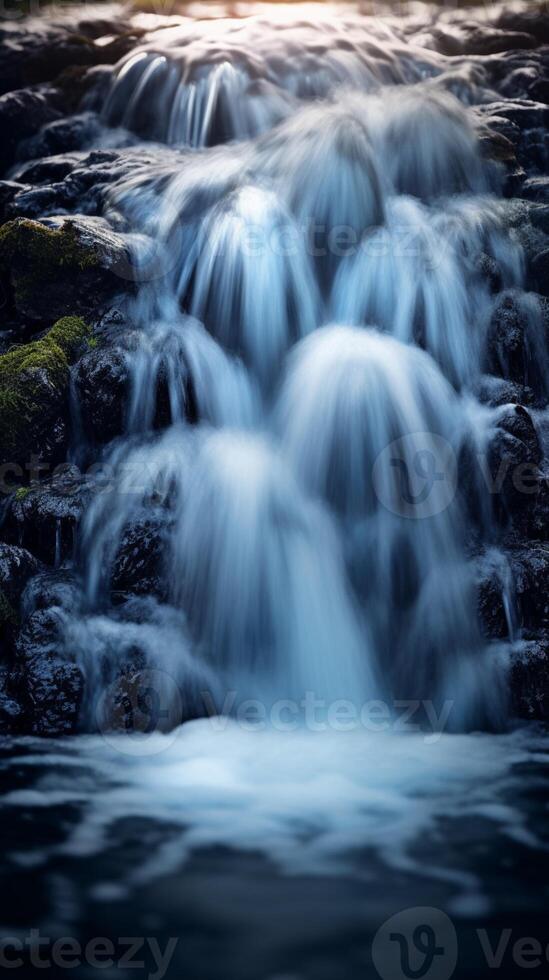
<point>529,679</point>
<point>17,566</point>
<point>530,570</point>
<point>139,565</point>
<point>101,385</point>
<point>34,399</point>
<point>46,515</point>
<point>48,687</point>
<point>517,342</point>
<point>512,465</point>
<point>61,136</point>
<point>22,113</point>
<point>62,266</point>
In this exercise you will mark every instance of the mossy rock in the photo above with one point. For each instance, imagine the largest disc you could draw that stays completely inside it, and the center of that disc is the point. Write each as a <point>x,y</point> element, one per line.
<point>34,381</point>
<point>65,266</point>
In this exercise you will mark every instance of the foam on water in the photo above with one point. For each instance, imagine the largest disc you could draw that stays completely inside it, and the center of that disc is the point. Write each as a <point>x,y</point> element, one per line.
<point>312,802</point>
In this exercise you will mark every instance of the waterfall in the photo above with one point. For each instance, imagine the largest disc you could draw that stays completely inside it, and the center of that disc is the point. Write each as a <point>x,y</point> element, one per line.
<point>312,318</point>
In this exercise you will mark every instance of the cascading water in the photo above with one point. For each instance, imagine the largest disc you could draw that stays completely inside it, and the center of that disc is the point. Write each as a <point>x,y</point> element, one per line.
<point>313,536</point>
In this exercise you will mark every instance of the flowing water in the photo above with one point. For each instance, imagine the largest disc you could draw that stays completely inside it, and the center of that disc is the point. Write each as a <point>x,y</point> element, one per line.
<point>312,305</point>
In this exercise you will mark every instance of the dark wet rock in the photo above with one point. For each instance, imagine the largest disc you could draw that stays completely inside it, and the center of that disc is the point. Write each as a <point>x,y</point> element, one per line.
<point>521,128</point>
<point>11,712</point>
<point>62,266</point>
<point>525,220</point>
<point>472,38</point>
<point>101,385</point>
<point>493,616</point>
<point>517,342</point>
<point>529,679</point>
<point>53,168</point>
<point>536,189</point>
<point>531,18</point>
<point>513,470</point>
<point>22,113</point>
<point>530,570</point>
<point>48,687</point>
<point>61,136</point>
<point>17,566</point>
<point>9,189</point>
<point>34,400</point>
<point>539,271</point>
<point>48,589</point>
<point>139,565</point>
<point>78,181</point>
<point>46,516</point>
<point>40,50</point>
<point>496,392</point>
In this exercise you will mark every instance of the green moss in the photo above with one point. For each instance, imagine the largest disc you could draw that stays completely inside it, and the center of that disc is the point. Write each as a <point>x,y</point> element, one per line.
<point>35,253</point>
<point>26,372</point>
<point>8,614</point>
<point>69,334</point>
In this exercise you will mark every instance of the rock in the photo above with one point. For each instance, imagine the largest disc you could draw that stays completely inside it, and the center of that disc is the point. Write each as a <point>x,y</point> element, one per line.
<point>139,564</point>
<point>520,124</point>
<point>34,391</point>
<point>41,50</point>
<point>22,113</point>
<point>60,588</point>
<point>513,461</point>
<point>536,189</point>
<point>48,687</point>
<point>531,18</point>
<point>473,38</point>
<point>491,608</point>
<point>16,568</point>
<point>46,515</point>
<point>529,679</point>
<point>517,342</point>
<point>525,221</point>
<point>62,266</point>
<point>497,392</point>
<point>101,384</point>
<point>539,270</point>
<point>530,570</point>
<point>10,711</point>
<point>60,137</point>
